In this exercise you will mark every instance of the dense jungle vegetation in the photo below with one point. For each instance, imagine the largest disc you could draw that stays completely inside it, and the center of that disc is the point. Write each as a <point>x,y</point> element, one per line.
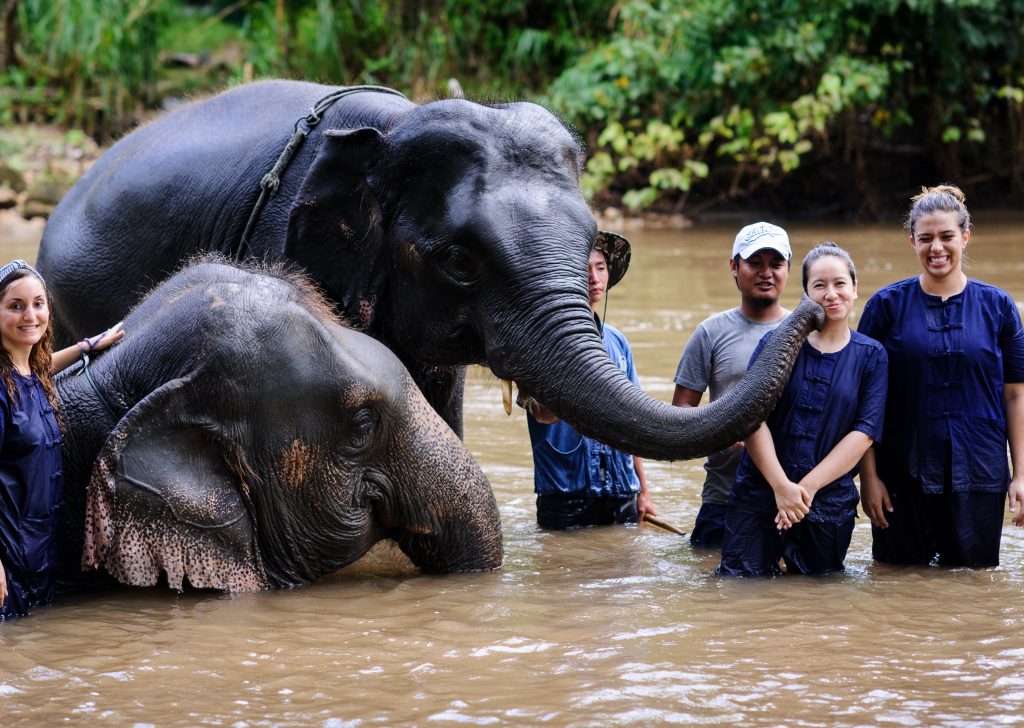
<point>797,106</point>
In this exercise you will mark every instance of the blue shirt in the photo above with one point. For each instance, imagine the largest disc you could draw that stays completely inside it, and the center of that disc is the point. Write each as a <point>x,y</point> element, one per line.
<point>565,461</point>
<point>828,396</point>
<point>31,496</point>
<point>948,361</point>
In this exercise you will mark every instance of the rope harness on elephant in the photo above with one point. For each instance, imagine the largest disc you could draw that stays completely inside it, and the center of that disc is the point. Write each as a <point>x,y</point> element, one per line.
<point>271,181</point>
<point>92,382</point>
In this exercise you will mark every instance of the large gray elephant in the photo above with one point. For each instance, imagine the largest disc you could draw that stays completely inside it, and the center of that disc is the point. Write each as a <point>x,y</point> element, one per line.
<point>453,232</point>
<point>240,437</point>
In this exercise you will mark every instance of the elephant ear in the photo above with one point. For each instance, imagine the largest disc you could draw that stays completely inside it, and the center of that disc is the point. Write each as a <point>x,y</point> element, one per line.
<point>334,227</point>
<point>163,497</point>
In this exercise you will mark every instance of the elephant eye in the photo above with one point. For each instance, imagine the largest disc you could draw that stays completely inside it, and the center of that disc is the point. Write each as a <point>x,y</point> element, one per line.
<point>459,264</point>
<point>360,429</point>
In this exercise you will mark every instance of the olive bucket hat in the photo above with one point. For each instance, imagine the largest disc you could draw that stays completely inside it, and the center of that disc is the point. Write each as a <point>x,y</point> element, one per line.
<point>616,251</point>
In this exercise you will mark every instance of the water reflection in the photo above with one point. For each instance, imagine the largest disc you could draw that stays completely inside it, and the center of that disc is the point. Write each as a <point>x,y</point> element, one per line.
<point>603,627</point>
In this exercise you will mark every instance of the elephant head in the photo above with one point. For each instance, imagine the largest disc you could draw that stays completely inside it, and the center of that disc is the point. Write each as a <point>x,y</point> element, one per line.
<point>241,438</point>
<point>454,232</point>
<point>458,234</point>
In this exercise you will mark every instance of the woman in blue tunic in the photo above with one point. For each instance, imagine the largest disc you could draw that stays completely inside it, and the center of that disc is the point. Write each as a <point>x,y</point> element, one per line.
<point>31,486</point>
<point>794,498</point>
<point>935,490</point>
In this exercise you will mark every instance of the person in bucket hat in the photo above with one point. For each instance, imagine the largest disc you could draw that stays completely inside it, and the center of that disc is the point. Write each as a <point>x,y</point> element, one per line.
<point>717,354</point>
<point>580,481</point>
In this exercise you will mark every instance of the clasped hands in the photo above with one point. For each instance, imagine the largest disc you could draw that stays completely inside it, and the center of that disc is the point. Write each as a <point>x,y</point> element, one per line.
<point>793,501</point>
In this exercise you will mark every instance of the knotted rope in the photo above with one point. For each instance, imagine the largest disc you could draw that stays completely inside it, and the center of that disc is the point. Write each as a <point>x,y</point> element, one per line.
<point>271,181</point>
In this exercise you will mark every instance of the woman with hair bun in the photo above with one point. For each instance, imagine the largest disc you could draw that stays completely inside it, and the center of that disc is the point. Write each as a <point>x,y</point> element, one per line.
<point>31,485</point>
<point>935,489</point>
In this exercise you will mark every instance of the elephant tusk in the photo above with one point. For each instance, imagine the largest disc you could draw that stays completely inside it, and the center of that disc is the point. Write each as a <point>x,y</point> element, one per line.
<point>506,395</point>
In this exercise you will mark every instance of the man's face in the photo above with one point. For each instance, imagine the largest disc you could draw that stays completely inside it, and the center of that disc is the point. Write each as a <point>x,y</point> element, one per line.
<point>761,278</point>
<point>597,276</point>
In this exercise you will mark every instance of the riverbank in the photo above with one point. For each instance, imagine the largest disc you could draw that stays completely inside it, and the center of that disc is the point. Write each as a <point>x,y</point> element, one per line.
<point>38,165</point>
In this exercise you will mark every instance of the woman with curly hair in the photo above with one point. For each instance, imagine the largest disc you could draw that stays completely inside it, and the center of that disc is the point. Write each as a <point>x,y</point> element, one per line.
<point>31,485</point>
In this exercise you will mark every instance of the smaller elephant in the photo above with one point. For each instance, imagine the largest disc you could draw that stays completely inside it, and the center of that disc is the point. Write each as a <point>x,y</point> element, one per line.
<point>241,438</point>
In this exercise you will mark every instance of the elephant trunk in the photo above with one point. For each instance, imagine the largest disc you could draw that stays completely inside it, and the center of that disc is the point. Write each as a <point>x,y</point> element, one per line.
<point>570,372</point>
<point>443,515</point>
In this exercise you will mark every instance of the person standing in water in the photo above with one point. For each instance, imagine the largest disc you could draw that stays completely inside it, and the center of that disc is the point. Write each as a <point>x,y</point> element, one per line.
<point>580,481</point>
<point>31,484</point>
<point>794,497</point>
<point>936,488</point>
<point>716,356</point>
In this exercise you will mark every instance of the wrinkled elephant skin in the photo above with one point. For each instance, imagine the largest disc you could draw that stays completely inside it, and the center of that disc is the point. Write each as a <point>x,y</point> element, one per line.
<point>453,232</point>
<point>240,437</point>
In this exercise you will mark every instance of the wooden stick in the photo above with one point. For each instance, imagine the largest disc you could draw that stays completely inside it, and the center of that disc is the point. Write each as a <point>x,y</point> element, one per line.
<point>655,521</point>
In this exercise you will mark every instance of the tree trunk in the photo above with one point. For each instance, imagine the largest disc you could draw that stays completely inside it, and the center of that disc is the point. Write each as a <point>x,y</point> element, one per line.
<point>10,23</point>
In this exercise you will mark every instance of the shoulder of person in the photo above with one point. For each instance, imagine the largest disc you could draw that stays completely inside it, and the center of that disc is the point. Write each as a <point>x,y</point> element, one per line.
<point>897,289</point>
<point>988,290</point>
<point>728,320</point>
<point>893,294</point>
<point>860,339</point>
<point>615,334</point>
<point>719,317</point>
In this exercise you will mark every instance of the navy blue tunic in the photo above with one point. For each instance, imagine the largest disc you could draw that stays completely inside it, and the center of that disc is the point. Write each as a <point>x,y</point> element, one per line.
<point>828,396</point>
<point>948,361</point>
<point>31,496</point>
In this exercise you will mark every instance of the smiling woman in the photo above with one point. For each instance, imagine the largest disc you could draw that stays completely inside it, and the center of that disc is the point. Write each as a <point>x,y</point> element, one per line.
<point>794,497</point>
<point>31,475</point>
<point>936,488</point>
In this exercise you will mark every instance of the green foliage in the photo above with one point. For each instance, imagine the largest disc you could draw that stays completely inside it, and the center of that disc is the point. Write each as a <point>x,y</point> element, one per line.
<point>80,59</point>
<point>493,47</point>
<point>684,104</point>
<point>87,62</point>
<point>701,101</point>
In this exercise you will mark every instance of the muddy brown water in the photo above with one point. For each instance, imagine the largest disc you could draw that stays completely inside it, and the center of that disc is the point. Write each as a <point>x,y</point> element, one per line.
<point>599,627</point>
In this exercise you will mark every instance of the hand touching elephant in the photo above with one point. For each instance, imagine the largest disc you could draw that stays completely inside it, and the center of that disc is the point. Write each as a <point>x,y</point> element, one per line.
<point>241,438</point>
<point>453,232</point>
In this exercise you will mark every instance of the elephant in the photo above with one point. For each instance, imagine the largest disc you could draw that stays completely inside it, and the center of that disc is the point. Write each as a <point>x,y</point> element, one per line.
<point>240,437</point>
<point>454,232</point>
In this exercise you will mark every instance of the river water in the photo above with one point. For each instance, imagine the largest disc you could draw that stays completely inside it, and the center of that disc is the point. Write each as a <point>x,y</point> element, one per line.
<point>607,626</point>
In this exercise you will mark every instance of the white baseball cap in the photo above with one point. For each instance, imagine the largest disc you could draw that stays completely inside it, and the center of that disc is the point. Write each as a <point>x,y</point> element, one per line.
<point>761,236</point>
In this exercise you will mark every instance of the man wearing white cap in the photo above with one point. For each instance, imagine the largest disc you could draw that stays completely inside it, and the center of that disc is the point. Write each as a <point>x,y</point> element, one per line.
<point>717,355</point>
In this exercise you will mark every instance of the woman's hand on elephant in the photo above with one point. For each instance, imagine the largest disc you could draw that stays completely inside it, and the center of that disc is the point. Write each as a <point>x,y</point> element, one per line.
<point>875,498</point>
<point>3,584</point>
<point>100,342</point>
<point>793,502</point>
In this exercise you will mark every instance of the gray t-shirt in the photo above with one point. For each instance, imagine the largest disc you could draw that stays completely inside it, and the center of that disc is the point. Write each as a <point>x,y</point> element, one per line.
<point>716,356</point>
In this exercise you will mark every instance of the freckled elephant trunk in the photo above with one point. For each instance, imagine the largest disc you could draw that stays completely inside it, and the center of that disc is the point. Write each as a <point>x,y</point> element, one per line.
<point>569,371</point>
<point>445,519</point>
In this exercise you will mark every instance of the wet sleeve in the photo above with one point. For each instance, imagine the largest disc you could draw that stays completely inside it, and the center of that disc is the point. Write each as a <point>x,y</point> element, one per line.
<point>874,384</point>
<point>694,370</point>
<point>1011,342</point>
<point>873,320</point>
